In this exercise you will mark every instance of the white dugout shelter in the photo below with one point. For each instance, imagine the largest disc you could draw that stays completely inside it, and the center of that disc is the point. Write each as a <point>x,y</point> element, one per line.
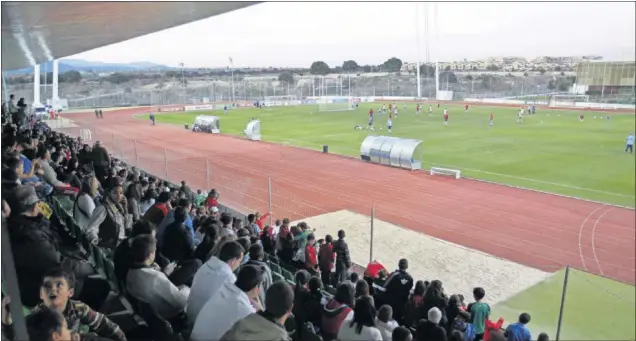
<point>392,151</point>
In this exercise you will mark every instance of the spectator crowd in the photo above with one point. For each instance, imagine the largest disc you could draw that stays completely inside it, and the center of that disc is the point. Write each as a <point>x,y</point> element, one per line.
<point>104,251</point>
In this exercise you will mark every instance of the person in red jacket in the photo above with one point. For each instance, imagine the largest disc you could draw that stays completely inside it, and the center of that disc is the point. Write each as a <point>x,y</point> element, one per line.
<point>311,255</point>
<point>260,220</point>
<point>326,258</point>
<point>212,200</point>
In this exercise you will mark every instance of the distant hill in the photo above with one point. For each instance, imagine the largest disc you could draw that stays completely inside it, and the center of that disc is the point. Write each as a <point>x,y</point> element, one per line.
<point>85,65</point>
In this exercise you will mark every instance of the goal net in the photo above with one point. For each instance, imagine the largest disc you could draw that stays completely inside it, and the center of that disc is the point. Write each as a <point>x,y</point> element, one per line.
<point>567,100</point>
<point>336,104</point>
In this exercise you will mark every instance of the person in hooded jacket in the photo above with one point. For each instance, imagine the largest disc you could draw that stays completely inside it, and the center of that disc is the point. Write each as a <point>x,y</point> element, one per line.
<point>397,289</point>
<point>266,325</point>
<point>337,310</point>
<point>256,258</point>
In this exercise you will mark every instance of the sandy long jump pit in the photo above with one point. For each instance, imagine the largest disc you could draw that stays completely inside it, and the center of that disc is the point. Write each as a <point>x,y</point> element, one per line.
<point>459,268</point>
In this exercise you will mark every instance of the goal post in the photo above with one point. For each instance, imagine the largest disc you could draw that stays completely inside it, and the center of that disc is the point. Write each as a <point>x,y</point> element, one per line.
<point>326,104</point>
<point>567,100</point>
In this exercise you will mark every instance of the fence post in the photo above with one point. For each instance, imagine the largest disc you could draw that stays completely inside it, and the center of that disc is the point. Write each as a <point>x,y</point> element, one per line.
<point>269,199</point>
<point>165,160</point>
<point>207,174</point>
<point>565,289</point>
<point>371,237</point>
<point>136,155</point>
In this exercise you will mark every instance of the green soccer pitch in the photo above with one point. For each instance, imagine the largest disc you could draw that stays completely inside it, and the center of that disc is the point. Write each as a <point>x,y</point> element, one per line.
<point>551,151</point>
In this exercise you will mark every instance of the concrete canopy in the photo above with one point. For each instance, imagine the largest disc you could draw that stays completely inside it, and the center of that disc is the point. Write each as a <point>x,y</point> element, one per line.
<point>36,32</point>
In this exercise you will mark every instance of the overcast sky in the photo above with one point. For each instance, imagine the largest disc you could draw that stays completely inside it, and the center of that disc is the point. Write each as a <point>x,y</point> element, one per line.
<point>295,34</point>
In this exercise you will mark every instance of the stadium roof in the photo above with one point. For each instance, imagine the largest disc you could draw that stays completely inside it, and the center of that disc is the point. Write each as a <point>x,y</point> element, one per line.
<point>35,32</point>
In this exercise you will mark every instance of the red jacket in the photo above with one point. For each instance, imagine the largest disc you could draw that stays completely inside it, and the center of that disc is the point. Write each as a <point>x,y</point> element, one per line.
<point>326,257</point>
<point>491,327</point>
<point>260,221</point>
<point>311,258</point>
<point>211,202</point>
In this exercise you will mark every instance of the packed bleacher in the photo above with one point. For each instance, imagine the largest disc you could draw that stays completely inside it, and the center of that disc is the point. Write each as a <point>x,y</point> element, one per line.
<point>104,251</point>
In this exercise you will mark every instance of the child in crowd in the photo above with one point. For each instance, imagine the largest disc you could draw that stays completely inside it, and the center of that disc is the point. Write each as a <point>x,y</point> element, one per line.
<point>56,290</point>
<point>479,312</point>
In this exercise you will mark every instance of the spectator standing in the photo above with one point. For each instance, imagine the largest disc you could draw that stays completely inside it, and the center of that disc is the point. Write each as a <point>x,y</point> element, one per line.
<point>397,290</point>
<point>133,196</point>
<point>479,312</point>
<point>268,241</point>
<point>233,302</point>
<point>311,255</point>
<point>430,330</point>
<point>101,162</point>
<point>212,275</point>
<point>452,310</point>
<point>343,259</point>
<point>252,227</point>
<point>413,310</point>
<point>519,331</point>
<point>543,337</point>
<point>362,326</point>
<point>326,258</point>
<point>435,297</point>
<point>267,325</point>
<point>260,219</point>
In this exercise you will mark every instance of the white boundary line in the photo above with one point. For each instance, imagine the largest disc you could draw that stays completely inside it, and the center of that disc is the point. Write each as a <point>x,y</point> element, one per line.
<point>594,238</point>
<point>581,236</point>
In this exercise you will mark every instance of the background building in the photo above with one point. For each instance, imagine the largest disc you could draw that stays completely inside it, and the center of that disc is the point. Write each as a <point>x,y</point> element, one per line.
<point>606,79</point>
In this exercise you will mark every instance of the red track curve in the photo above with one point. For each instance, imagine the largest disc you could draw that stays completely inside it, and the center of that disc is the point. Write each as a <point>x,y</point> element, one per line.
<point>540,230</point>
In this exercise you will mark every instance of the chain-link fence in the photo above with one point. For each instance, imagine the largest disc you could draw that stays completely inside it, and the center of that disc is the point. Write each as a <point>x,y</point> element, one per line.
<point>102,94</point>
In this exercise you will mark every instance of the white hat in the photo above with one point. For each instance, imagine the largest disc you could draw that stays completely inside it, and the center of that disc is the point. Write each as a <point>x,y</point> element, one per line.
<point>434,315</point>
<point>214,209</point>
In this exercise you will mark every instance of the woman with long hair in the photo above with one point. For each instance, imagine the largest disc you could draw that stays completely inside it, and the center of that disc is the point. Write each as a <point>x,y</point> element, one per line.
<point>72,177</point>
<point>133,194</point>
<point>86,200</point>
<point>362,326</point>
<point>435,298</point>
<point>412,311</point>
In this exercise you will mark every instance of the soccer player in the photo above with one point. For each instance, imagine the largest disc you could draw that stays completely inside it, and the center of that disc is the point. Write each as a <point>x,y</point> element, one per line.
<point>371,119</point>
<point>225,109</point>
<point>581,117</point>
<point>437,105</point>
<point>417,109</point>
<point>430,109</point>
<point>383,107</point>
<point>445,116</point>
<point>389,123</point>
<point>491,119</point>
<point>152,118</point>
<point>466,107</point>
<point>404,106</point>
<point>630,143</point>
<point>395,110</point>
<point>520,116</point>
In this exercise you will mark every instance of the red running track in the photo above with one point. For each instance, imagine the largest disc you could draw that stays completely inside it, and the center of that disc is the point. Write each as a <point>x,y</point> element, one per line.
<point>540,230</point>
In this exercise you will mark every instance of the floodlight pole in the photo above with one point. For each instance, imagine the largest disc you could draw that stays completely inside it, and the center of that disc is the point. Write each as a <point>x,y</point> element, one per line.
<point>182,82</point>
<point>417,41</point>
<point>232,78</point>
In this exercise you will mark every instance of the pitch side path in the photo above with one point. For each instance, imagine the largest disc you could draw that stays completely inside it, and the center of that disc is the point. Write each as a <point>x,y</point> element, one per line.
<point>540,230</point>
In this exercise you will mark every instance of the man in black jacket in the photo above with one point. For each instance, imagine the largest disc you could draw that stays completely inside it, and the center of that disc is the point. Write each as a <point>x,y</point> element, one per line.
<point>343,259</point>
<point>36,248</point>
<point>397,289</point>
